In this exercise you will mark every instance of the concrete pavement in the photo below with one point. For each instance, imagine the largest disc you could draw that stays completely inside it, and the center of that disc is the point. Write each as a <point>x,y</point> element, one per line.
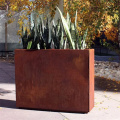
<point>107,103</point>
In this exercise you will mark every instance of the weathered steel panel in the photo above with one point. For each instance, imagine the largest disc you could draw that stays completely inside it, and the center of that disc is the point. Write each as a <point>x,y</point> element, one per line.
<point>59,80</point>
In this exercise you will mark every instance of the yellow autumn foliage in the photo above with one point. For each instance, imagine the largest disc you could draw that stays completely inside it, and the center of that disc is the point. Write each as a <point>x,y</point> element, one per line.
<point>91,13</point>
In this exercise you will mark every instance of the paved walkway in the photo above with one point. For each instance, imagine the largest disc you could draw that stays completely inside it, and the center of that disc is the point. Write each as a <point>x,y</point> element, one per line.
<point>107,103</point>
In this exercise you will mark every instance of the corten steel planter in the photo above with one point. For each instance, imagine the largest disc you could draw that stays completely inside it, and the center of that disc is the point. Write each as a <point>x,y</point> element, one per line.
<point>58,80</point>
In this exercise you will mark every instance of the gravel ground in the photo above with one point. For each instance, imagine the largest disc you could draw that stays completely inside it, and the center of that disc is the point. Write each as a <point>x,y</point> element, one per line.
<point>9,60</point>
<point>107,67</point>
<point>109,70</point>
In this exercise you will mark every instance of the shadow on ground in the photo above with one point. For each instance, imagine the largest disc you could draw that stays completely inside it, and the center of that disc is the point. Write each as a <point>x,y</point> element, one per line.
<point>7,73</point>
<point>8,103</point>
<point>104,84</point>
<point>3,91</point>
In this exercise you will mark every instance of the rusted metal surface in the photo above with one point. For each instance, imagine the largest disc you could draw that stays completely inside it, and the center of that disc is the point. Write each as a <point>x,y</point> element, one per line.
<point>91,80</point>
<point>58,80</point>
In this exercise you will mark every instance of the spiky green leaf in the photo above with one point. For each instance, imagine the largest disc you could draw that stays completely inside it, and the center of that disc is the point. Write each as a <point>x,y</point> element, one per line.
<point>84,39</point>
<point>29,45</point>
<point>66,28</point>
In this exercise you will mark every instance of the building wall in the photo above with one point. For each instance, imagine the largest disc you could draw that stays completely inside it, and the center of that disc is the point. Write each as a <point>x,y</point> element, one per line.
<point>2,26</point>
<point>12,37</point>
<point>57,15</point>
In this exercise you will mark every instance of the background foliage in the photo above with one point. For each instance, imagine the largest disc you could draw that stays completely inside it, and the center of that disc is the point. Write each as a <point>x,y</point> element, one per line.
<point>96,15</point>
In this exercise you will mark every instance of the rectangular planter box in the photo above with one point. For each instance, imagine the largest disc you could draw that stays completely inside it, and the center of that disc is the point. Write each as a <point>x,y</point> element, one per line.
<point>58,80</point>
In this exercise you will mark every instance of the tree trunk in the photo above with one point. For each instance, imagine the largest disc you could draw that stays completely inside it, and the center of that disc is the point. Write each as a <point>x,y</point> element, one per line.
<point>6,48</point>
<point>119,26</point>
